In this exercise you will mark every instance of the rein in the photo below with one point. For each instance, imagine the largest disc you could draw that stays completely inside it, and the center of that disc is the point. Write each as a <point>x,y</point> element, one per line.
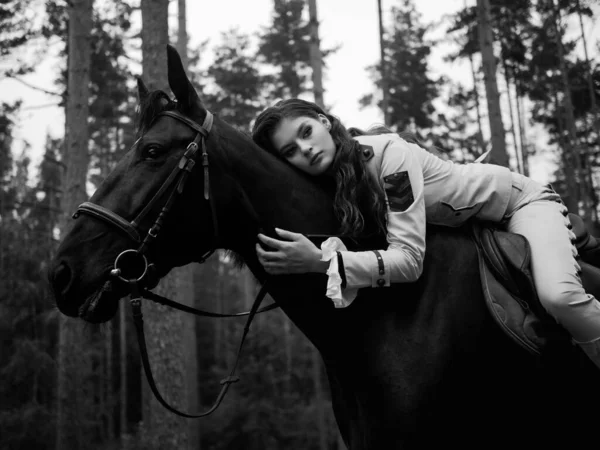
<point>136,279</point>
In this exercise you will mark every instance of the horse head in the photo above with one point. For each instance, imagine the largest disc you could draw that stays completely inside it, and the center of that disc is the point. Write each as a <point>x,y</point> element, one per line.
<point>190,183</point>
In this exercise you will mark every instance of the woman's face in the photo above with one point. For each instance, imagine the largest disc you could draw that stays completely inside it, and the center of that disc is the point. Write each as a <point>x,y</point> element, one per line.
<point>306,143</point>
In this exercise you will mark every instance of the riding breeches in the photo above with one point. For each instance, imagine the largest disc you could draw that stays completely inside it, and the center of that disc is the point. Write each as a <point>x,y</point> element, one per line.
<point>537,213</point>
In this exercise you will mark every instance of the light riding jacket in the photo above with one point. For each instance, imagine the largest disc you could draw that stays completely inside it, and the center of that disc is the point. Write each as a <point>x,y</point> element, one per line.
<point>419,188</point>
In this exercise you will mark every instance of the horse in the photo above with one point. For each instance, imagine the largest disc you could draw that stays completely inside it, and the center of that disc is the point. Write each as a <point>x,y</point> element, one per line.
<point>409,366</point>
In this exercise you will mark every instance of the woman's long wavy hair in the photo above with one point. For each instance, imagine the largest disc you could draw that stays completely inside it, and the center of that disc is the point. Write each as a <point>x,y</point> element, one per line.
<point>359,202</point>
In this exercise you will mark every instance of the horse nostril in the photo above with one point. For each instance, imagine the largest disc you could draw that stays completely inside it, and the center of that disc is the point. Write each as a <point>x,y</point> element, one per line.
<point>61,278</point>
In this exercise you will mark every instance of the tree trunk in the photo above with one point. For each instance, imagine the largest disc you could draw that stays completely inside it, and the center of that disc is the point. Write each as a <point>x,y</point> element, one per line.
<point>321,422</point>
<point>109,383</point>
<point>167,330</point>
<point>71,376</point>
<point>522,131</point>
<point>109,392</point>
<point>165,336</point>
<point>155,37</point>
<point>316,61</point>
<point>590,81</point>
<point>248,288</point>
<point>220,325</point>
<point>289,354</point>
<point>569,198</point>
<point>187,292</point>
<point>385,101</point>
<point>512,118</point>
<point>123,372</point>
<point>572,148</point>
<point>480,140</point>
<point>514,75</point>
<point>488,62</point>
<point>182,37</point>
<point>595,122</point>
<point>186,295</point>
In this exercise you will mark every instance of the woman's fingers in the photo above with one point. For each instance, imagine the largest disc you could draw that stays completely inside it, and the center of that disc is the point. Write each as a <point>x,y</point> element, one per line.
<point>266,256</point>
<point>273,243</point>
<point>271,266</point>
<point>279,244</point>
<point>289,235</point>
<point>274,263</point>
<point>286,255</point>
<point>274,270</point>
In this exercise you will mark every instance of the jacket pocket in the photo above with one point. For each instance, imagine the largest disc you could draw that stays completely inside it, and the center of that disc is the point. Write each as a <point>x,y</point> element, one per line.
<point>453,216</point>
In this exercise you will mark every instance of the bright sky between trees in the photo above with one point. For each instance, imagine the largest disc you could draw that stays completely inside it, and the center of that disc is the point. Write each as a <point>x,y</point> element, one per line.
<point>350,24</point>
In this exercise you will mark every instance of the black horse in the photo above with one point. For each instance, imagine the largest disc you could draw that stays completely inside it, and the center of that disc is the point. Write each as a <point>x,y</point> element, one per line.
<point>411,366</point>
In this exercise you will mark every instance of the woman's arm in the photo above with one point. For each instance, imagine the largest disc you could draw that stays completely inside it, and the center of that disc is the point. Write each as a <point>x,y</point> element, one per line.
<point>402,176</point>
<point>402,261</point>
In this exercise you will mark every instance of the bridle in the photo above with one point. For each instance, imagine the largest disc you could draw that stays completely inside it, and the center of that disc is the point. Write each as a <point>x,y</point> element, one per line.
<point>173,185</point>
<point>137,279</point>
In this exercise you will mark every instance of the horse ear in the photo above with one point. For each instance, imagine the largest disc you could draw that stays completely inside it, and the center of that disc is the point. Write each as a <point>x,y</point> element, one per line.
<point>143,91</point>
<point>179,83</point>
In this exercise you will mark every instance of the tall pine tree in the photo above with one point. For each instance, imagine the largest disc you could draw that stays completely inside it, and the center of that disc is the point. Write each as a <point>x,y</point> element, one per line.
<point>237,88</point>
<point>72,370</point>
<point>411,89</point>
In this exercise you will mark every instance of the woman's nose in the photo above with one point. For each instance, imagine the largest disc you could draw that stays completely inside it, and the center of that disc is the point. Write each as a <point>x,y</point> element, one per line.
<point>305,147</point>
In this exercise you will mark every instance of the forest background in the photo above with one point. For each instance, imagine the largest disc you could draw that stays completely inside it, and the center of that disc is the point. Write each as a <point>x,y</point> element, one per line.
<point>521,79</point>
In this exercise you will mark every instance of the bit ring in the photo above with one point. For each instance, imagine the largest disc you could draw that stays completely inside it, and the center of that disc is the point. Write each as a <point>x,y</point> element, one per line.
<point>122,272</point>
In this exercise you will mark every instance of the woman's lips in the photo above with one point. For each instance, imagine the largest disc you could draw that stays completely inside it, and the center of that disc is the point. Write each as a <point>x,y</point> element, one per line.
<point>315,158</point>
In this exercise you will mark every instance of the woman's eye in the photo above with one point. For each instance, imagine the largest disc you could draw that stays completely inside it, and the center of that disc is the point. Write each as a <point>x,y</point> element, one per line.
<point>289,152</point>
<point>307,132</point>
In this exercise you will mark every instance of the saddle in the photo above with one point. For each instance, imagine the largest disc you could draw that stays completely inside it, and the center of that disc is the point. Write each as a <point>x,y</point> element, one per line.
<point>509,290</point>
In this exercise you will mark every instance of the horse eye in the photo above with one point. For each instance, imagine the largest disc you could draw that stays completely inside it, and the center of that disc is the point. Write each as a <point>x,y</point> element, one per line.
<point>152,152</point>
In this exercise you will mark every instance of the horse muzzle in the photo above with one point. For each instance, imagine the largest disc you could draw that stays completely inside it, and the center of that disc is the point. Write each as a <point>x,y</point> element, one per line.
<point>61,281</point>
<point>100,305</point>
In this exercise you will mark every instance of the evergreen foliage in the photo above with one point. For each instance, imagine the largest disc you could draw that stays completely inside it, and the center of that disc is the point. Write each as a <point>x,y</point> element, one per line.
<point>411,88</point>
<point>238,87</point>
<point>285,48</point>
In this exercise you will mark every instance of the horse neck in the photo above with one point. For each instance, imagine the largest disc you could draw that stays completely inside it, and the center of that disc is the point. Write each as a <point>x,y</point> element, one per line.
<point>278,195</point>
<point>269,192</point>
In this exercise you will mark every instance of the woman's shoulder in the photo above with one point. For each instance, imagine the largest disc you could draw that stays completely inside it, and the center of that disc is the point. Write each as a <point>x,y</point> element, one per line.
<point>379,140</point>
<point>400,143</point>
<point>373,146</point>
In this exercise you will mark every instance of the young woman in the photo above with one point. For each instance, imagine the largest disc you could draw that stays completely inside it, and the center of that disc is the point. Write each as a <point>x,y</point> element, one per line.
<point>384,183</point>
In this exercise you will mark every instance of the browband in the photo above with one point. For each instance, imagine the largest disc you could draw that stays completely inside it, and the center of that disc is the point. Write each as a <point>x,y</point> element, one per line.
<point>203,129</point>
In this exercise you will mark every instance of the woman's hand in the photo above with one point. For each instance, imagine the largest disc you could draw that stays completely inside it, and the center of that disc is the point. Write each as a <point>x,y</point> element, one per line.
<point>297,254</point>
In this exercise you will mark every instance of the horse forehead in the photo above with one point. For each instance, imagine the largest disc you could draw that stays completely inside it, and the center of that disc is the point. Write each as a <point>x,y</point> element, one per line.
<point>168,127</point>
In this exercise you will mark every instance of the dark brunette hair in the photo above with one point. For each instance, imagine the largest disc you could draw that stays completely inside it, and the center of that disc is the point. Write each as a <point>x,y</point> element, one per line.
<point>359,202</point>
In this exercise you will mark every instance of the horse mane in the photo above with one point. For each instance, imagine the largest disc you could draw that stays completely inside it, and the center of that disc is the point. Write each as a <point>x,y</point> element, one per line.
<point>157,102</point>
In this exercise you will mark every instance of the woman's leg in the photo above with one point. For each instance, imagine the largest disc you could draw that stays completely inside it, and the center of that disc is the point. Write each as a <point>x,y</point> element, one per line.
<point>556,272</point>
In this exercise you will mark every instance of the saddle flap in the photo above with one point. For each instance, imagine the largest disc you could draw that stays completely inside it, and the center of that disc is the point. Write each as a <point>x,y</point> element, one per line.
<point>513,247</point>
<point>508,312</point>
<point>508,256</point>
<point>509,290</point>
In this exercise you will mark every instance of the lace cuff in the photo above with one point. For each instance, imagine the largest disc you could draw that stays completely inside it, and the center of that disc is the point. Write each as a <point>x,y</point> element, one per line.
<point>340,297</point>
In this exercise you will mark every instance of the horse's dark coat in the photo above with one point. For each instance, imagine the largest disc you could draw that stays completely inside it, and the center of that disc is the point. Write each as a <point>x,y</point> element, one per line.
<point>413,366</point>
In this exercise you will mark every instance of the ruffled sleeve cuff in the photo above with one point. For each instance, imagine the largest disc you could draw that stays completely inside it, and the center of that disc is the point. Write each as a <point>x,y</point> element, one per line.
<point>340,297</point>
